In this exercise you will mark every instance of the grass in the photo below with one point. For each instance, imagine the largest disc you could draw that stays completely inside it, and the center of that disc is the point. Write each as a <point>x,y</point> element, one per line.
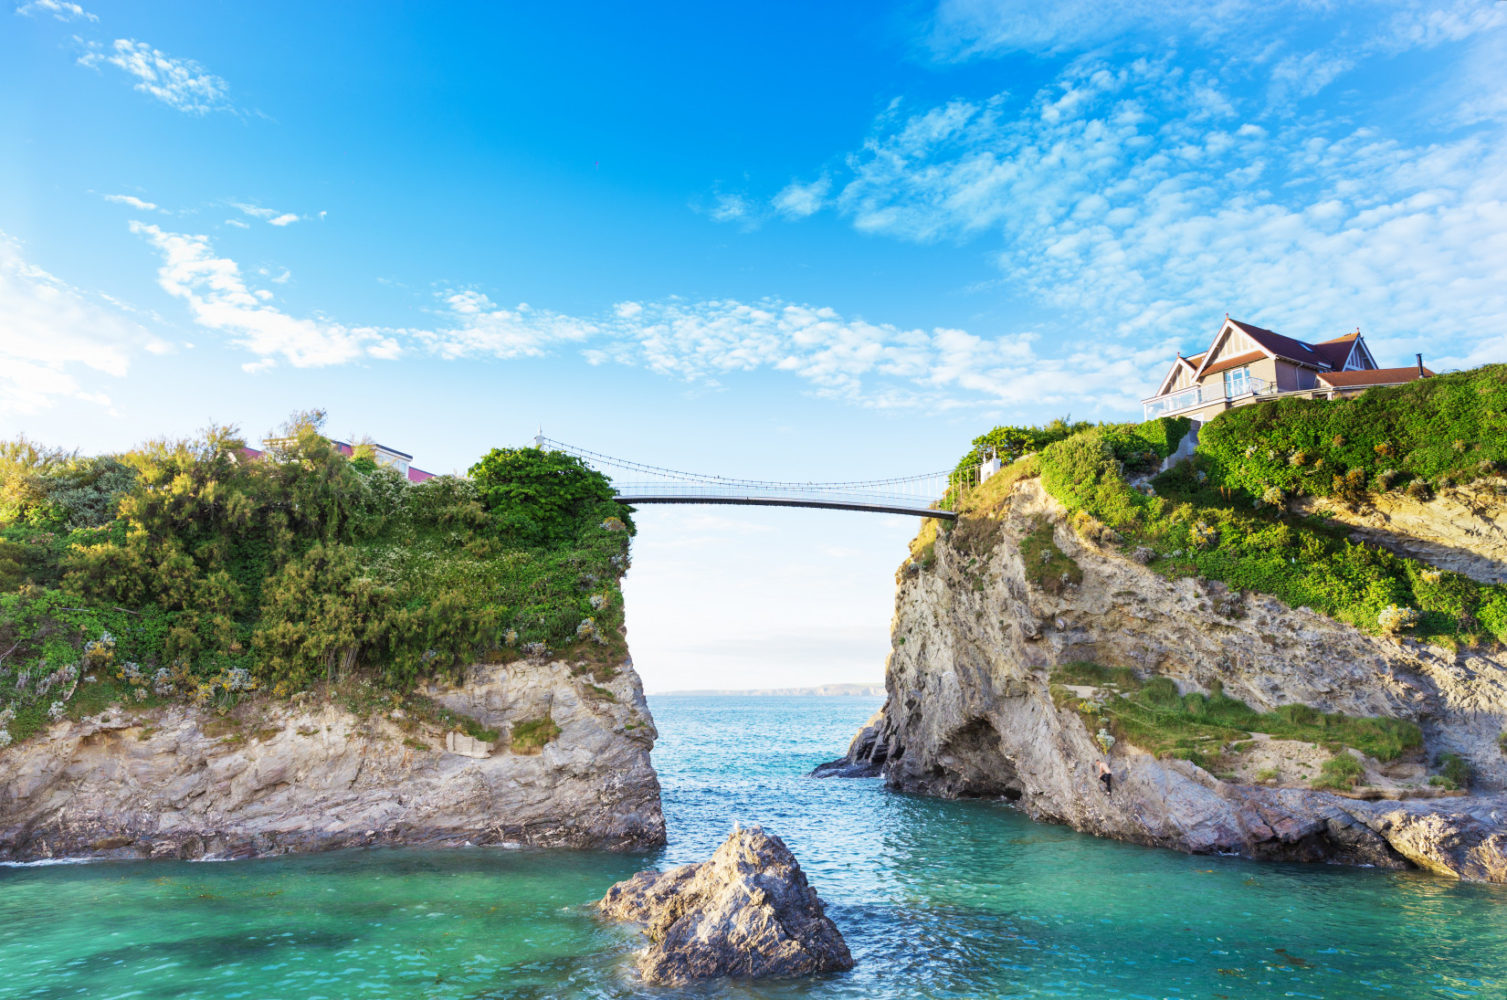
<point>601,692</point>
<point>1454,772</point>
<point>530,736</point>
<point>1339,773</point>
<point>1197,527</point>
<point>1437,431</point>
<point>1046,565</point>
<point>421,709</point>
<point>1151,714</point>
<point>1268,774</point>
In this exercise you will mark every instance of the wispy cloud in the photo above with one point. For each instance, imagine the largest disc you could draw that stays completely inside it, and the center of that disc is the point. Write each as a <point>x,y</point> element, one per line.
<point>179,83</point>
<point>702,343</point>
<point>59,9</point>
<point>132,201</point>
<point>797,200</point>
<point>271,216</point>
<point>57,342</point>
<point>219,299</point>
<point>1139,196</point>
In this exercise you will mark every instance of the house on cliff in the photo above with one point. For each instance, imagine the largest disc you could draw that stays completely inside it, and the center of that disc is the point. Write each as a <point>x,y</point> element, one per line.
<point>399,460</point>
<point>1248,364</point>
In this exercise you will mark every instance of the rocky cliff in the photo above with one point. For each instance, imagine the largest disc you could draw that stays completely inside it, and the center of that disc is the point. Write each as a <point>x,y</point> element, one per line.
<point>275,776</point>
<point>970,708</point>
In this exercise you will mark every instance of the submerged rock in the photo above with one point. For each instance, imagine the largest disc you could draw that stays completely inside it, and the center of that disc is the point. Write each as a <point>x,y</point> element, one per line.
<point>748,912</point>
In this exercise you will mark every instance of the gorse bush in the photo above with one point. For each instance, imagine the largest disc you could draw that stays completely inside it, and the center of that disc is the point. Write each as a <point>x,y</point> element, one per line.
<point>218,571</point>
<point>1196,527</point>
<point>1448,427</point>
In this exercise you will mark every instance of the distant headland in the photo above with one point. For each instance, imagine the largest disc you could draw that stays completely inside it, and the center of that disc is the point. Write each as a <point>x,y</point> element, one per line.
<point>820,690</point>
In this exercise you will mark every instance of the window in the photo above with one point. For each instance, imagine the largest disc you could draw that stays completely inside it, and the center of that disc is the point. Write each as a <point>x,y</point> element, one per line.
<point>1237,382</point>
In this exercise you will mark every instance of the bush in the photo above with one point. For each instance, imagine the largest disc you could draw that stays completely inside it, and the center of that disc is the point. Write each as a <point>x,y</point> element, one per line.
<point>1451,425</point>
<point>541,497</point>
<point>222,575</point>
<point>1453,769</point>
<point>1340,773</point>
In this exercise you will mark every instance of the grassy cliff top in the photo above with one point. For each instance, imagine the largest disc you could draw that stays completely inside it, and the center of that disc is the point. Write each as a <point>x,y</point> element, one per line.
<point>184,569</point>
<point>1223,516</point>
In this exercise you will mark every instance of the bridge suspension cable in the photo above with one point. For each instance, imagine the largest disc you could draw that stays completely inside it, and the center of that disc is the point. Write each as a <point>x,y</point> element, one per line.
<point>927,494</point>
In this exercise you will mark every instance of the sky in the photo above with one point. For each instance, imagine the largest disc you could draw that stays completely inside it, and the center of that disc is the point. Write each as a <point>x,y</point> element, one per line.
<point>782,241</point>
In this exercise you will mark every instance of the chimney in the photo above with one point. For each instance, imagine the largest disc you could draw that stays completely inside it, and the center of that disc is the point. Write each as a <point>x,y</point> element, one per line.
<point>1420,365</point>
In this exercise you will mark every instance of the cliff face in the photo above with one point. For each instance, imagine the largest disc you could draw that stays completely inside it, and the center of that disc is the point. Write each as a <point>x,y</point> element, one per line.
<point>970,711</point>
<point>273,777</point>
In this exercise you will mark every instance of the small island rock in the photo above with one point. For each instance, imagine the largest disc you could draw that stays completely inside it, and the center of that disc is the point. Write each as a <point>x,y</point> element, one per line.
<point>747,912</point>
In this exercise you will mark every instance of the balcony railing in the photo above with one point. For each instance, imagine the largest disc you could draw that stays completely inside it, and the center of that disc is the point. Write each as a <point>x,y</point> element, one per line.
<point>1200,395</point>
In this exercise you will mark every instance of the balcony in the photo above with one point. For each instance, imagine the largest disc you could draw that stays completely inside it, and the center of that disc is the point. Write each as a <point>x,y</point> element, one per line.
<point>1245,388</point>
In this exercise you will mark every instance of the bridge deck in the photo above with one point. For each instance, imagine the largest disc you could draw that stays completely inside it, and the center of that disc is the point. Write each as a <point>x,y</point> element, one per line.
<point>756,501</point>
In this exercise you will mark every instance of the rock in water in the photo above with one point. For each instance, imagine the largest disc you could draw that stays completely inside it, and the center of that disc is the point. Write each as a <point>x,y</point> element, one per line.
<point>748,913</point>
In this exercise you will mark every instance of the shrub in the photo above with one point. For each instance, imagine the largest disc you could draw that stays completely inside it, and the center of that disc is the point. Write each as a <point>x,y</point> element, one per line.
<point>1453,769</point>
<point>1340,773</point>
<point>539,497</point>
<point>1394,619</point>
<point>530,736</point>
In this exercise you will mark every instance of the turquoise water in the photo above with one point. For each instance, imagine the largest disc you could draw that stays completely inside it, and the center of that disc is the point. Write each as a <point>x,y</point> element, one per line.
<point>936,899</point>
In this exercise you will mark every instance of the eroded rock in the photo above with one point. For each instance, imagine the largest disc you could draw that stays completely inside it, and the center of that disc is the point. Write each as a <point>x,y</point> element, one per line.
<point>280,776</point>
<point>969,710</point>
<point>748,912</point>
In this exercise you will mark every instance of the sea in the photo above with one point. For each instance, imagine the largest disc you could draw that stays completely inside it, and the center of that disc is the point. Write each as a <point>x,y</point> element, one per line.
<point>936,899</point>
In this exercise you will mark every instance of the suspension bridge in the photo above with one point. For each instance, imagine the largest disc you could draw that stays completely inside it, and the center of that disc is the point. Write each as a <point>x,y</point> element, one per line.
<point>926,495</point>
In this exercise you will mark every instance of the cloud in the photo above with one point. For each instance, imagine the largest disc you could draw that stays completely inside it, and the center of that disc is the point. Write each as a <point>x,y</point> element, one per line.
<point>1142,199</point>
<point>179,83</point>
<point>220,300</point>
<point>703,344</point>
<point>59,9</point>
<point>967,29</point>
<point>57,342</point>
<point>271,216</point>
<point>132,201</point>
<point>797,200</point>
<point>730,208</point>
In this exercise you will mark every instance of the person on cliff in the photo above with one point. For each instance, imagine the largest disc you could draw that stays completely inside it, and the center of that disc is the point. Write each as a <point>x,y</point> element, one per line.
<point>1105,775</point>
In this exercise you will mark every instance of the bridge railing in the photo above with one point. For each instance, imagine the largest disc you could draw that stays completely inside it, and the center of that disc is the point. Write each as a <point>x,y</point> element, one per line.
<point>636,482</point>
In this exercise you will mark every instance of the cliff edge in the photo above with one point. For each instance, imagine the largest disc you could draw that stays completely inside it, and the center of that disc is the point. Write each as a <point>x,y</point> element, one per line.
<point>566,765</point>
<point>1026,651</point>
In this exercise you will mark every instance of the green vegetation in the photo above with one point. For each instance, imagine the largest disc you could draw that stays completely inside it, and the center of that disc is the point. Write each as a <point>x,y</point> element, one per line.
<point>1197,526</point>
<point>1339,773</point>
<point>1046,565</point>
<point>1454,772</point>
<point>1151,714</point>
<point>1224,515</point>
<point>530,736</point>
<point>1425,435</point>
<point>184,569</point>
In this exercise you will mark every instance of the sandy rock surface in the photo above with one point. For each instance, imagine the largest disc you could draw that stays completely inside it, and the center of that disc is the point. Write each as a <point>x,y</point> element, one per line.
<point>748,912</point>
<point>276,776</point>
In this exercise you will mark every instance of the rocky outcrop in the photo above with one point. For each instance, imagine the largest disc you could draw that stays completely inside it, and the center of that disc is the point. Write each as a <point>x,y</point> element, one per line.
<point>276,776</point>
<point>1462,529</point>
<point>747,913</point>
<point>969,711</point>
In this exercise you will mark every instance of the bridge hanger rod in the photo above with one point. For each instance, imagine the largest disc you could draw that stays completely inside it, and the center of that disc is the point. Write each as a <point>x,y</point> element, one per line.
<point>712,480</point>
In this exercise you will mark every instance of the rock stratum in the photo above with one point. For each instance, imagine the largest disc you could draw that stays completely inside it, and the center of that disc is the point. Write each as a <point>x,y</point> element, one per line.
<point>969,710</point>
<point>274,776</point>
<point>746,913</point>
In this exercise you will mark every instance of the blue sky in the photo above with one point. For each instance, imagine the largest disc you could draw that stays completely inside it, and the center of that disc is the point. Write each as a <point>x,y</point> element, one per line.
<point>783,240</point>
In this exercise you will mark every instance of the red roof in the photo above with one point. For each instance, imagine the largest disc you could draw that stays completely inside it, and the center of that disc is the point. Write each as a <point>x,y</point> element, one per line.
<point>1284,347</point>
<point>1235,362</point>
<point>1375,376</point>
<point>418,475</point>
